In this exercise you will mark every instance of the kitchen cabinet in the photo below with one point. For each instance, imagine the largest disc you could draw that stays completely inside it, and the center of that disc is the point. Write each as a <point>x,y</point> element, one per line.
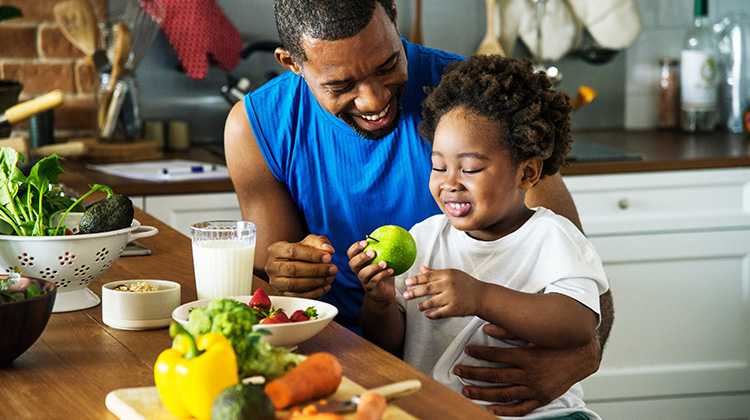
<point>676,248</point>
<point>179,211</point>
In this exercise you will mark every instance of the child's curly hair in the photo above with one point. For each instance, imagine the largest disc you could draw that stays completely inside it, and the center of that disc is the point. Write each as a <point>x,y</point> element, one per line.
<point>533,119</point>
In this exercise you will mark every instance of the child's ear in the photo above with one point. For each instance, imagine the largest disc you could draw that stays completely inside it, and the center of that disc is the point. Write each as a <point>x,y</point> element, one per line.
<point>531,171</point>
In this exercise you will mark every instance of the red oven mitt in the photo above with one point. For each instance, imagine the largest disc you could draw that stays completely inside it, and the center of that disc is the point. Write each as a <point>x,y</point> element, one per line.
<point>199,30</point>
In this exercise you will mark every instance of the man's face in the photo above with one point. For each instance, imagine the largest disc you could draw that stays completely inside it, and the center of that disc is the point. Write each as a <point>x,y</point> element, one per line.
<point>361,79</point>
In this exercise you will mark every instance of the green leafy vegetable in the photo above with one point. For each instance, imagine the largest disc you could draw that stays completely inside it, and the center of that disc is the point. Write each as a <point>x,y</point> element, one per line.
<point>28,203</point>
<point>234,320</point>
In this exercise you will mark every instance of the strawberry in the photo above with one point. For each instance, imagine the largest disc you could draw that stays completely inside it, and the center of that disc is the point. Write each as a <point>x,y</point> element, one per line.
<point>306,315</point>
<point>277,318</point>
<point>260,300</point>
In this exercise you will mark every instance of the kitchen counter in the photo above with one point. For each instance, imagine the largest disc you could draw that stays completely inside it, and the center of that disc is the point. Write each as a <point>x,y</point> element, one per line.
<point>629,151</point>
<point>662,151</point>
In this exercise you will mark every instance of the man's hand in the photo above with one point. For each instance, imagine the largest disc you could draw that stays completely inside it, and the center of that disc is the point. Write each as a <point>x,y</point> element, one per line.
<point>538,374</point>
<point>301,269</point>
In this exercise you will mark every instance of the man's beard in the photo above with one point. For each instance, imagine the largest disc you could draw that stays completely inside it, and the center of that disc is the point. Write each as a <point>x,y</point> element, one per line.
<point>377,134</point>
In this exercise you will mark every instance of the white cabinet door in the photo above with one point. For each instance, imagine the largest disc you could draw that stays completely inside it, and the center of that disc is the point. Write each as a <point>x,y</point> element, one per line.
<point>682,326</point>
<point>182,210</point>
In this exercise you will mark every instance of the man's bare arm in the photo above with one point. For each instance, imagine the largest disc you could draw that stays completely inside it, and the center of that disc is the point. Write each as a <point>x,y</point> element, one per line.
<point>263,199</point>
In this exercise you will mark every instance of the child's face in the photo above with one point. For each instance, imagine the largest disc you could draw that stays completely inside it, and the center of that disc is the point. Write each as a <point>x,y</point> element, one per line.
<point>473,179</point>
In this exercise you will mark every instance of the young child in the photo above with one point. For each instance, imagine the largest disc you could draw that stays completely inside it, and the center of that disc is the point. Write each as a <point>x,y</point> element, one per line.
<point>496,128</point>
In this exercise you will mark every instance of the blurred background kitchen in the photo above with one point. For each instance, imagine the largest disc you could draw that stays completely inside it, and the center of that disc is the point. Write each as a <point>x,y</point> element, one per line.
<point>33,52</point>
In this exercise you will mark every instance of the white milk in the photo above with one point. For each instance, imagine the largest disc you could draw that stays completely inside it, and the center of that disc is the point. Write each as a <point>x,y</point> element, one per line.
<point>223,268</point>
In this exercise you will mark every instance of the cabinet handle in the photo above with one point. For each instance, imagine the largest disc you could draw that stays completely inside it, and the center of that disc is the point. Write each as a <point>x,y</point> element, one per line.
<point>623,204</point>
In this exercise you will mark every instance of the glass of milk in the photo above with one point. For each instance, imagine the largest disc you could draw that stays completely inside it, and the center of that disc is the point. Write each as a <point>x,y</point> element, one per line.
<point>223,254</point>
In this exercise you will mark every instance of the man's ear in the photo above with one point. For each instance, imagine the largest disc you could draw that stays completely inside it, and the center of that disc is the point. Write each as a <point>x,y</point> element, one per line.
<point>395,12</point>
<point>531,171</point>
<point>286,60</point>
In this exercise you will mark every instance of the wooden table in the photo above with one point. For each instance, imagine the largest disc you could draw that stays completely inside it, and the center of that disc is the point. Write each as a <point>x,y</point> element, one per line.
<point>78,359</point>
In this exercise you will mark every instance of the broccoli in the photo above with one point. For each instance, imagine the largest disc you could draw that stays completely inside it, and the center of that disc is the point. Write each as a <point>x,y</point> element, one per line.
<point>234,320</point>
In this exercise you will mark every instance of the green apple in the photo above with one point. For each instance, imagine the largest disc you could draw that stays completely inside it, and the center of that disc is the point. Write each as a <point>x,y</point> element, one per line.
<point>394,245</point>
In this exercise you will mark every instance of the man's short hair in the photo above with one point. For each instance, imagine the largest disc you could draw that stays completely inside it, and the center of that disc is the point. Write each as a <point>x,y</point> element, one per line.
<point>328,20</point>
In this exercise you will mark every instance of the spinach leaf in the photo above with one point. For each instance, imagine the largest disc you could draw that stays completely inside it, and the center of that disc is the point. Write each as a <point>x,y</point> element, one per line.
<point>28,203</point>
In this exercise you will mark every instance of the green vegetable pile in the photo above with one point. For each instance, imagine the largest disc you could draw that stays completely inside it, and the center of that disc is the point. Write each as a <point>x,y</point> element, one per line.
<point>234,320</point>
<point>27,204</point>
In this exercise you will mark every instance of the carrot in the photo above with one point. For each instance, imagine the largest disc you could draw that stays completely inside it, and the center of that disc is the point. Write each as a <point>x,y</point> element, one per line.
<point>317,376</point>
<point>371,406</point>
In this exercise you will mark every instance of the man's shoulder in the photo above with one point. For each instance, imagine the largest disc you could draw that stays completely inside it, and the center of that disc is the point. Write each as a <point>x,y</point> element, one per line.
<point>432,53</point>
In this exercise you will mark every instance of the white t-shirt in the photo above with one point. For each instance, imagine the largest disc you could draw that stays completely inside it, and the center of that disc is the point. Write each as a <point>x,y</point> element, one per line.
<point>548,254</point>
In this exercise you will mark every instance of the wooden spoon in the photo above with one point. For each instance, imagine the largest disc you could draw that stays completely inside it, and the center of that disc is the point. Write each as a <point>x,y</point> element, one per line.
<point>78,24</point>
<point>121,54</point>
<point>490,44</point>
<point>416,27</point>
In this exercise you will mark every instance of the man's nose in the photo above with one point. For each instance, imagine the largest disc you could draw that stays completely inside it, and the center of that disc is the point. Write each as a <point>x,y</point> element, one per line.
<point>372,97</point>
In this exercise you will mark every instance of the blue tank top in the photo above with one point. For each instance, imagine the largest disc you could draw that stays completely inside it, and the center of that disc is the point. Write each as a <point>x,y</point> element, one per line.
<point>347,186</point>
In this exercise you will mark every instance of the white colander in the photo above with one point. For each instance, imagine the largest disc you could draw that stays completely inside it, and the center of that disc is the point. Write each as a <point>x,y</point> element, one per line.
<point>71,262</point>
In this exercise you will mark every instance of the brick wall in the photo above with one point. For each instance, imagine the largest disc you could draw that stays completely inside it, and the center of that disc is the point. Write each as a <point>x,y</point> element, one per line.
<point>34,52</point>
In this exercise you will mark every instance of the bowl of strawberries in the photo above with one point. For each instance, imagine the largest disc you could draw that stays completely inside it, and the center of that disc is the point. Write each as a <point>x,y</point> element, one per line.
<point>289,320</point>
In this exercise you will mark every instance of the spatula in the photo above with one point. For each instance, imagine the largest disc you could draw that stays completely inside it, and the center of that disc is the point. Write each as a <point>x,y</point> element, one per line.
<point>78,24</point>
<point>416,27</point>
<point>122,52</point>
<point>490,44</point>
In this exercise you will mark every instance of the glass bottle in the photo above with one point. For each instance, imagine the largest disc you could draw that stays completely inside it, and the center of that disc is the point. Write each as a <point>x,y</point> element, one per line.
<point>669,93</point>
<point>699,74</point>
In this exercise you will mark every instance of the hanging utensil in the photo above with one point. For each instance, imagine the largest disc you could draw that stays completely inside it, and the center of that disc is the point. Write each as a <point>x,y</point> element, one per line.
<point>78,24</point>
<point>416,27</point>
<point>553,73</point>
<point>490,44</point>
<point>121,54</point>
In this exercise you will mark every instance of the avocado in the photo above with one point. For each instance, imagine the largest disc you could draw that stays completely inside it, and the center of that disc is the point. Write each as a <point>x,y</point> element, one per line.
<point>110,214</point>
<point>243,402</point>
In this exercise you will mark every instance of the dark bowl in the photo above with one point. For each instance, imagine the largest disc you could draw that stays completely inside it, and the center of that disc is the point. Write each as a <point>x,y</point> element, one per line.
<point>22,322</point>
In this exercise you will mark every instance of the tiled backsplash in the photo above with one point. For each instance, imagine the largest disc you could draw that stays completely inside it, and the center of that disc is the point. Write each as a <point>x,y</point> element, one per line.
<point>665,23</point>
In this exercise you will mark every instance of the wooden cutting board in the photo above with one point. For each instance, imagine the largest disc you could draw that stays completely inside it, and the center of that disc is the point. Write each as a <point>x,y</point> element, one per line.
<point>144,403</point>
<point>136,151</point>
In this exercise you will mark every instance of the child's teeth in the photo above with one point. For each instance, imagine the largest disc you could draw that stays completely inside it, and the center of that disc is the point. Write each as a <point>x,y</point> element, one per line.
<point>457,205</point>
<point>379,116</point>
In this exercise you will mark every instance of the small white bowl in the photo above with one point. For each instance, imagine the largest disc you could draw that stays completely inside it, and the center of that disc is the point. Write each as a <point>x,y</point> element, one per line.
<point>140,310</point>
<point>286,335</point>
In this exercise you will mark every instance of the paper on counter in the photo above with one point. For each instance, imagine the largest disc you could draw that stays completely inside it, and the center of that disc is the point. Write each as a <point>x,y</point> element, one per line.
<point>177,170</point>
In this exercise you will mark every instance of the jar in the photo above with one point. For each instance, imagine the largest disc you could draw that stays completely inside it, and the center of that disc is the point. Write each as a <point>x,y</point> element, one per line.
<point>669,93</point>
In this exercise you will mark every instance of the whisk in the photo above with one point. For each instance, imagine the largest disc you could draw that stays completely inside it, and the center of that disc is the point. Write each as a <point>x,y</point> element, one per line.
<point>143,17</point>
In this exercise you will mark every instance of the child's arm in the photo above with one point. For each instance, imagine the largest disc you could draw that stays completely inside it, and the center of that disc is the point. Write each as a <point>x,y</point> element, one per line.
<point>380,319</point>
<point>550,320</point>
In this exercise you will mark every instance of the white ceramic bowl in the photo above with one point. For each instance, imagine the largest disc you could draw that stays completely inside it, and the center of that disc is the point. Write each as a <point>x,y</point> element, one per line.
<point>282,335</point>
<point>139,310</point>
<point>71,262</point>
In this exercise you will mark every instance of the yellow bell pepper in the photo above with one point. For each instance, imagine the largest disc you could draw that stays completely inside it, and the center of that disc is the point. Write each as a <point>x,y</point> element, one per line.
<point>191,374</point>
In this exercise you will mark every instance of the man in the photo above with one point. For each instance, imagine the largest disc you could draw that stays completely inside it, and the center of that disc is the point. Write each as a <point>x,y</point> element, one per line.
<point>331,148</point>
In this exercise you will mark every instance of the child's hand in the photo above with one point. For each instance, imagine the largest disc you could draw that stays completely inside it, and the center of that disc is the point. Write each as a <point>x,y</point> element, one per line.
<point>453,292</point>
<point>376,279</point>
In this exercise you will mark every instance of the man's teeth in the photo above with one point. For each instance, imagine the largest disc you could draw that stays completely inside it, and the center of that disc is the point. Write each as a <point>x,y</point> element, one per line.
<point>379,116</point>
<point>457,206</point>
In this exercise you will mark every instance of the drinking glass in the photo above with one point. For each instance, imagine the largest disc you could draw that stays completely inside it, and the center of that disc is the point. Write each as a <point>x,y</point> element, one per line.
<point>223,255</point>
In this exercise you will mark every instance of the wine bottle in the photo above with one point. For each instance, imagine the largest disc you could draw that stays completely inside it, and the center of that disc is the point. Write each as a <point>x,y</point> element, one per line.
<point>699,74</point>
